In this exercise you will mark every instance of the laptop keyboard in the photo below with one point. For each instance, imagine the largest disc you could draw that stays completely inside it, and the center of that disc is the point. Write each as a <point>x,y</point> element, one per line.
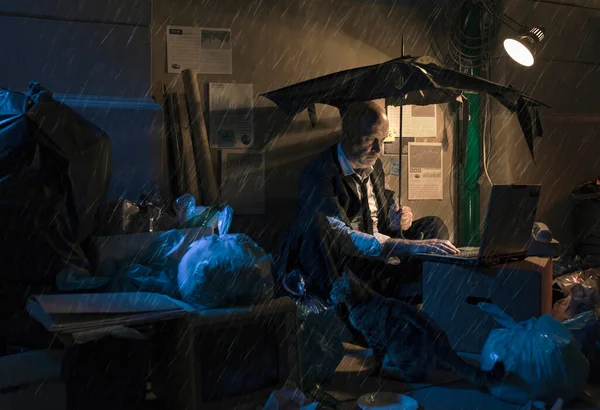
<point>468,252</point>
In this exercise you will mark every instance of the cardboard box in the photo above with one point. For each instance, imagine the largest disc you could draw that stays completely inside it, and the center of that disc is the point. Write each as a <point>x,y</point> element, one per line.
<point>32,380</point>
<point>451,292</point>
<point>226,358</point>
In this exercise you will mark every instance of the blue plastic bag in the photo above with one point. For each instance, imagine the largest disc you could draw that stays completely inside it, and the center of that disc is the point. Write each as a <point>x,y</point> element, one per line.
<point>225,271</point>
<point>541,357</point>
<point>152,270</point>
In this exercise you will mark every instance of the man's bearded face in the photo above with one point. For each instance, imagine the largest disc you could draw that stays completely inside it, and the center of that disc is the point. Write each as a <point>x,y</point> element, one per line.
<point>366,143</point>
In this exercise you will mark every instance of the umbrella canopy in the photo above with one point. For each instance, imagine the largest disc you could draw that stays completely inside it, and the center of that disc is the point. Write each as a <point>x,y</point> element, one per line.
<point>407,81</point>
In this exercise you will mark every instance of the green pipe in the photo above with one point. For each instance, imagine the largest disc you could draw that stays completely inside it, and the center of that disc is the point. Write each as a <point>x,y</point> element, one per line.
<point>469,192</point>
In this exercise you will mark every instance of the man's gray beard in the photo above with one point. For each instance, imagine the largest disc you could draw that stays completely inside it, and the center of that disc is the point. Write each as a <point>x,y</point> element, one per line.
<point>367,163</point>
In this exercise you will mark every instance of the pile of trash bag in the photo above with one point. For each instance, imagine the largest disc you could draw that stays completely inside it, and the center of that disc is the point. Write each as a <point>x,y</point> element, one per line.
<point>225,270</point>
<point>321,332</point>
<point>54,173</point>
<point>320,337</point>
<point>579,311</point>
<point>542,359</point>
<point>582,293</point>
<point>568,264</point>
<point>154,270</point>
<point>151,213</point>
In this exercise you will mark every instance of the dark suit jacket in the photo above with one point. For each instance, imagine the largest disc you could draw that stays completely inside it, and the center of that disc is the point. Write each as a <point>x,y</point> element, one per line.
<point>325,191</point>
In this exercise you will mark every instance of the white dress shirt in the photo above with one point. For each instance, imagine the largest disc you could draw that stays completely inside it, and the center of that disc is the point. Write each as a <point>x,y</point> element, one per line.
<point>352,241</point>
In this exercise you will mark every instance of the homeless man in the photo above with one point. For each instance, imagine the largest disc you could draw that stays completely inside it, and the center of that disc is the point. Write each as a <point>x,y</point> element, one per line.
<point>346,217</point>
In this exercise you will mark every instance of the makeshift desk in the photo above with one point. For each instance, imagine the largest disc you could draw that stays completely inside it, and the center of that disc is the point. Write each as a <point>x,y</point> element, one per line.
<point>451,292</point>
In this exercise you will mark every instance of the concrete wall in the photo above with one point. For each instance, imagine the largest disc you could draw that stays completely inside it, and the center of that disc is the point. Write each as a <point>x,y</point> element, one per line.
<point>276,43</point>
<point>569,152</point>
<point>95,56</point>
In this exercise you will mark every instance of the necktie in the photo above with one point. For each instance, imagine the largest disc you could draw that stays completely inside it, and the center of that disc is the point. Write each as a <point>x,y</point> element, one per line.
<point>367,222</point>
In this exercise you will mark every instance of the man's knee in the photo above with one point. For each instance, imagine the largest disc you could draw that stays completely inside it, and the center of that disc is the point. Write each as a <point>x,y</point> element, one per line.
<point>435,228</point>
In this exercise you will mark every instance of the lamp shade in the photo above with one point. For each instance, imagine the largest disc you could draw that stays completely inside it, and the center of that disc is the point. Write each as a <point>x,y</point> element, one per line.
<point>522,48</point>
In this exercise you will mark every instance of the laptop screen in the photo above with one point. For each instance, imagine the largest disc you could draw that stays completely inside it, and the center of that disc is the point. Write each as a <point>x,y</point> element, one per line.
<point>509,220</point>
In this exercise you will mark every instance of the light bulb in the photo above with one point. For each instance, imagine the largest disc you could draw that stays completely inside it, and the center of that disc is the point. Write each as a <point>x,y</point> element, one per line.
<point>518,52</point>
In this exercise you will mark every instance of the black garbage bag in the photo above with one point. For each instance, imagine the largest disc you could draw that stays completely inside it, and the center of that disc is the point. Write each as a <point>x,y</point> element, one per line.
<point>54,173</point>
<point>321,332</point>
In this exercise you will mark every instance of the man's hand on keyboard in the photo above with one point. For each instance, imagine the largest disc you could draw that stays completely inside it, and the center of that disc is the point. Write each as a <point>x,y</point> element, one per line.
<point>403,247</point>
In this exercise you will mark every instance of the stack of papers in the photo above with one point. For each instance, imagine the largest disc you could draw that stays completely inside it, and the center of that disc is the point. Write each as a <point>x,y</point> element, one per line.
<point>74,313</point>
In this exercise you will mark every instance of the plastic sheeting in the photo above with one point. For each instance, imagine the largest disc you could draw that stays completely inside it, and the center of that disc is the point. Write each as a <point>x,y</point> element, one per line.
<point>153,270</point>
<point>582,291</point>
<point>54,173</point>
<point>225,271</point>
<point>541,357</point>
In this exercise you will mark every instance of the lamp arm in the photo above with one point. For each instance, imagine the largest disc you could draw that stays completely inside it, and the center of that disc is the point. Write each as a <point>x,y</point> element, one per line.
<point>505,18</point>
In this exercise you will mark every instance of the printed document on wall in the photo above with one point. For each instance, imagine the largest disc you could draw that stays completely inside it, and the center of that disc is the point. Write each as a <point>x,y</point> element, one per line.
<point>243,180</point>
<point>417,122</point>
<point>425,176</point>
<point>206,50</point>
<point>231,115</point>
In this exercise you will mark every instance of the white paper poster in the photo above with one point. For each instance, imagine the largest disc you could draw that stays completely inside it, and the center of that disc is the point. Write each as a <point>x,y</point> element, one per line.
<point>243,181</point>
<point>425,177</point>
<point>417,122</point>
<point>231,115</point>
<point>206,50</point>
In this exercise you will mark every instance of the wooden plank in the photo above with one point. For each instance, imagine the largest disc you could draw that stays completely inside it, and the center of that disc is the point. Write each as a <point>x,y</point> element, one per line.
<point>188,149</point>
<point>134,12</point>
<point>204,166</point>
<point>176,167</point>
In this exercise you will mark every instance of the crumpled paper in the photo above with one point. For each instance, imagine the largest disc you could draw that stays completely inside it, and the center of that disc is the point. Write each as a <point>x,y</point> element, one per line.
<point>289,397</point>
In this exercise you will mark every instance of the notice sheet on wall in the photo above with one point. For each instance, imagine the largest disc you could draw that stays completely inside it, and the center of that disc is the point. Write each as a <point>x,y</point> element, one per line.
<point>417,122</point>
<point>425,176</point>
<point>243,181</point>
<point>231,115</point>
<point>206,50</point>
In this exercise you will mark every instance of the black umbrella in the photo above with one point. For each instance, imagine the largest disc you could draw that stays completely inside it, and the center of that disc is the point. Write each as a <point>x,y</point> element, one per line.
<point>405,81</point>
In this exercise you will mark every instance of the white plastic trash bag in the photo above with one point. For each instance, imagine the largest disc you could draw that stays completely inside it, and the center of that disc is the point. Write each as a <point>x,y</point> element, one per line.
<point>541,357</point>
<point>224,271</point>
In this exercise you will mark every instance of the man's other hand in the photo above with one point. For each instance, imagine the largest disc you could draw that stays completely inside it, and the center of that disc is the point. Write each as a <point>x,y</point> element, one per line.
<point>401,218</point>
<point>438,246</point>
<point>403,247</point>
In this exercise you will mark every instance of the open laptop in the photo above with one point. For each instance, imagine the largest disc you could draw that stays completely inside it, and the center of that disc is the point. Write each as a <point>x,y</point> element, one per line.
<point>506,231</point>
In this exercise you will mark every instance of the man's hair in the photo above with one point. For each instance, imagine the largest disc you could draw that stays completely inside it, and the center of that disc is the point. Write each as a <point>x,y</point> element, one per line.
<point>355,113</point>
